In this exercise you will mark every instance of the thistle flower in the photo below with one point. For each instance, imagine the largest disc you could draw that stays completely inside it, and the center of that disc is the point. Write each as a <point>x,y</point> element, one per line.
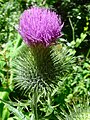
<point>40,25</point>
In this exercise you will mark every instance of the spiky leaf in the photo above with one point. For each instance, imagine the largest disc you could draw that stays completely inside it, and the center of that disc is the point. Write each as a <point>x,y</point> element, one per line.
<point>77,113</point>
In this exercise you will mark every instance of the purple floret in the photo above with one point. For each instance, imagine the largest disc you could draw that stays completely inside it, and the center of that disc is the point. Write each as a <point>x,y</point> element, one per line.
<point>40,25</point>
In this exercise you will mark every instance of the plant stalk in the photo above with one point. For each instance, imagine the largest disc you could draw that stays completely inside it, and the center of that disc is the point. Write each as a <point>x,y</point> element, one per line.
<point>73,29</point>
<point>35,96</point>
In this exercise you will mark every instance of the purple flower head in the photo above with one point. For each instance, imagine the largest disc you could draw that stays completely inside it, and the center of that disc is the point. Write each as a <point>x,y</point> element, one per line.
<point>40,25</point>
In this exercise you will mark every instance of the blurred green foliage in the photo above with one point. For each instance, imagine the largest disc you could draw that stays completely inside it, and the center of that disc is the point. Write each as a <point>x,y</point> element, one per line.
<point>73,88</point>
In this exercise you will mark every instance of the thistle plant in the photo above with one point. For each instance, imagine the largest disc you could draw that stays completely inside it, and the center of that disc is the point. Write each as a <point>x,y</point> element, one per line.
<point>39,64</point>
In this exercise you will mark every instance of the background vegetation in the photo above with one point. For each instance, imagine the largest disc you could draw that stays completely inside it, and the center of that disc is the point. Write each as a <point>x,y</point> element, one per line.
<point>73,92</point>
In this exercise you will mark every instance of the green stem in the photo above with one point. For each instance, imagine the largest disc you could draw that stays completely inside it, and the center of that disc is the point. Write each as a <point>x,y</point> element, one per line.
<point>87,56</point>
<point>35,95</point>
<point>73,29</point>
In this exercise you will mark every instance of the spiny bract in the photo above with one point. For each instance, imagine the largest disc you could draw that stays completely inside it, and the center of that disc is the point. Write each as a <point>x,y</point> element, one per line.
<point>39,67</point>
